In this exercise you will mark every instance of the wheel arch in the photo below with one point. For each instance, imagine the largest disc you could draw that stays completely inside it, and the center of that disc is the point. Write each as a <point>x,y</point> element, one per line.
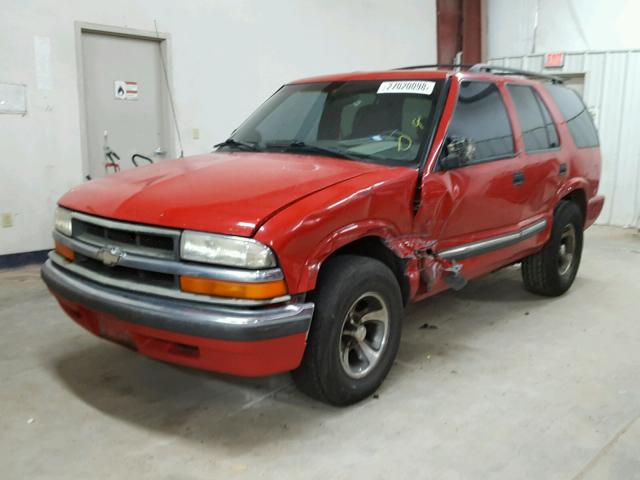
<point>579,197</point>
<point>374,247</point>
<point>367,240</point>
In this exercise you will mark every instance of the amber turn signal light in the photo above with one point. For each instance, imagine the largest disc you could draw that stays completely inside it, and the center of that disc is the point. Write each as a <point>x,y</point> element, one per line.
<point>65,251</point>
<point>221,288</point>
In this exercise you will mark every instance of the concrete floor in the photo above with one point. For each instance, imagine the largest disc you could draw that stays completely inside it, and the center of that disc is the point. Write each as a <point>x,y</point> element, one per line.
<point>508,386</point>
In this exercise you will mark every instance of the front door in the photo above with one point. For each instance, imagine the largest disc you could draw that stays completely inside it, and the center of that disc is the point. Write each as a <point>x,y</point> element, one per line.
<point>125,102</point>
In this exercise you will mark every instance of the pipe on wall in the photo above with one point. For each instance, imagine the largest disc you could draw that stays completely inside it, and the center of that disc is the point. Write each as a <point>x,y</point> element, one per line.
<point>460,27</point>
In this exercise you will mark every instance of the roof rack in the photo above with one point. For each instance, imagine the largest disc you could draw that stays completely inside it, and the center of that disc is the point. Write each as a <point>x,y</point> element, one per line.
<point>436,65</point>
<point>495,69</point>
<point>499,70</point>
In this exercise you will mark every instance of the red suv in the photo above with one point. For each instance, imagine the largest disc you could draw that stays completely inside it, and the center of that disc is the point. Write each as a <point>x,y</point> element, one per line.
<point>296,245</point>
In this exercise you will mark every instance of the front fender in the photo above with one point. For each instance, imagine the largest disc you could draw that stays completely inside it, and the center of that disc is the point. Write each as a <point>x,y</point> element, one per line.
<point>348,234</point>
<point>305,233</point>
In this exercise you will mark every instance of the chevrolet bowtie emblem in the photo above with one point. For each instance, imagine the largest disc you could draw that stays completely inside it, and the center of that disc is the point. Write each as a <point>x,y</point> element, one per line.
<point>110,256</point>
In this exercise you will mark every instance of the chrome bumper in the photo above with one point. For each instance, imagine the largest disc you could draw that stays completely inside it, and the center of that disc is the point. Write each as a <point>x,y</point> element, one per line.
<point>189,318</point>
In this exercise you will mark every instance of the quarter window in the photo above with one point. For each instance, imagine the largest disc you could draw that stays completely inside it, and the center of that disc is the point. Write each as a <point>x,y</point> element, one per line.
<point>481,117</point>
<point>538,130</point>
<point>576,116</point>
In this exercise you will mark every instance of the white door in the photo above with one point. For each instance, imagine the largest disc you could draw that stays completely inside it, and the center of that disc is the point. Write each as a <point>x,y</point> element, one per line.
<point>126,102</point>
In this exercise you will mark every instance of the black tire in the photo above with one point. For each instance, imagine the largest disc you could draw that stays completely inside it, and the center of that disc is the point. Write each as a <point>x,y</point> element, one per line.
<point>547,272</point>
<point>349,284</point>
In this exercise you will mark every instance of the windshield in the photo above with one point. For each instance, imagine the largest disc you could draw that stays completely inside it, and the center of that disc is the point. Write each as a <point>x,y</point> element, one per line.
<point>385,121</point>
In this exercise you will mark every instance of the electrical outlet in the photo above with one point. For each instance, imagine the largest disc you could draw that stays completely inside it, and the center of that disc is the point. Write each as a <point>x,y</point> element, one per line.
<point>7,220</point>
<point>196,133</point>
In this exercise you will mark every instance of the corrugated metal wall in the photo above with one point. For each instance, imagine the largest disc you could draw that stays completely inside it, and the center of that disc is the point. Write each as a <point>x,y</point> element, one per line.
<point>612,92</point>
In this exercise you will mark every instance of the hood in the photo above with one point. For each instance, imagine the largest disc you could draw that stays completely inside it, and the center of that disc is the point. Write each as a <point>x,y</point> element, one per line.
<point>230,192</point>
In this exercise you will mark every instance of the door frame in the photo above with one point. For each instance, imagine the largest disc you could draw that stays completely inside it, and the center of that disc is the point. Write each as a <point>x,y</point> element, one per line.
<point>163,40</point>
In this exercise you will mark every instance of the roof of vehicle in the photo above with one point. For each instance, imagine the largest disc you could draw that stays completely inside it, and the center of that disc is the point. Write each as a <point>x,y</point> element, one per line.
<point>432,72</point>
<point>378,75</point>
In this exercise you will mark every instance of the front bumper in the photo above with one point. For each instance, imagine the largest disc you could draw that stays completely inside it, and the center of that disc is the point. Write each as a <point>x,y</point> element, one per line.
<point>241,341</point>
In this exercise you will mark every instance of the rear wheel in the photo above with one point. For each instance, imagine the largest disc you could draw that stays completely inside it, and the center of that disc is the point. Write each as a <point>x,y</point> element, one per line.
<point>355,332</point>
<point>552,270</point>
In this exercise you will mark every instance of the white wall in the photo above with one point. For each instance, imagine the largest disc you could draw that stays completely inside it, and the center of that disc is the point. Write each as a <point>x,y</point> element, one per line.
<point>227,57</point>
<point>601,39</point>
<point>562,25</point>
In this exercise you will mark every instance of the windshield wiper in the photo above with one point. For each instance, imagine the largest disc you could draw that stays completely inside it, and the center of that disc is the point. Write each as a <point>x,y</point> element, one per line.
<point>240,145</point>
<point>299,146</point>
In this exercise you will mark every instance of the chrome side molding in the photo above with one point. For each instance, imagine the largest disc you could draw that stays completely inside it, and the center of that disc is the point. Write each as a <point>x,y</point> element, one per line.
<point>484,246</point>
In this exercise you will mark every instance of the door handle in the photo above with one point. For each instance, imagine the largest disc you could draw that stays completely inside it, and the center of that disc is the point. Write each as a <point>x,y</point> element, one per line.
<point>563,169</point>
<point>518,178</point>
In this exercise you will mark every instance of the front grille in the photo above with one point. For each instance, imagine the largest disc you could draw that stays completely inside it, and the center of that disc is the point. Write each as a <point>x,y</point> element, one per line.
<point>146,243</point>
<point>141,243</point>
<point>136,257</point>
<point>125,274</point>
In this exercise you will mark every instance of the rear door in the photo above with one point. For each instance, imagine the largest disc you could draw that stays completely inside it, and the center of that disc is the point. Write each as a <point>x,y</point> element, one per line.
<point>544,163</point>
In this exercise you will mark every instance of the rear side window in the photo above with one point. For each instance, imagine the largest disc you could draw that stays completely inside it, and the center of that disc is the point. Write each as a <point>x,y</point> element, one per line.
<point>576,116</point>
<point>481,117</point>
<point>538,130</point>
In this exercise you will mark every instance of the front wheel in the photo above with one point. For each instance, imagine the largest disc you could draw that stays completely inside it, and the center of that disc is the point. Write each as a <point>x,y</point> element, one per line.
<point>552,270</point>
<point>355,332</point>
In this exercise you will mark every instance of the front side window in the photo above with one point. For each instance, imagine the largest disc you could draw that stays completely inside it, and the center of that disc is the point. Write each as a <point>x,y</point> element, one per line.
<point>384,121</point>
<point>481,118</point>
<point>576,115</point>
<point>538,130</point>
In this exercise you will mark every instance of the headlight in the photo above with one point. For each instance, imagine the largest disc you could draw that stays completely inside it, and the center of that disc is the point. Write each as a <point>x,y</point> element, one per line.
<point>62,221</point>
<point>225,250</point>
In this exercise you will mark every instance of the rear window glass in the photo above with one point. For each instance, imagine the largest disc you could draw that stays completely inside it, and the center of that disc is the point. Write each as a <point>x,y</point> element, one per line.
<point>576,116</point>
<point>538,130</point>
<point>481,117</point>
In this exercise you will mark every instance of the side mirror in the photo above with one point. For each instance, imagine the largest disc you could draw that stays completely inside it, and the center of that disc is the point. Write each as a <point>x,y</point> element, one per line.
<point>461,151</point>
<point>450,162</point>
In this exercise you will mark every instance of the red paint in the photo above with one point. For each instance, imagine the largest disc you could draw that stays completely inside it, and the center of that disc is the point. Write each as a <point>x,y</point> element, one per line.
<point>594,207</point>
<point>306,207</point>
<point>376,204</point>
<point>251,359</point>
<point>381,75</point>
<point>229,193</point>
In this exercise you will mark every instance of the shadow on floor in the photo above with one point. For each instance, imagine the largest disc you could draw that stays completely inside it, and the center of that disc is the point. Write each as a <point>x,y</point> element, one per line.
<point>200,406</point>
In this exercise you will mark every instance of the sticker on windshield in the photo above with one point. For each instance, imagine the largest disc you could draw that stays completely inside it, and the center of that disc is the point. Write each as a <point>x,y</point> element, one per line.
<point>422,87</point>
